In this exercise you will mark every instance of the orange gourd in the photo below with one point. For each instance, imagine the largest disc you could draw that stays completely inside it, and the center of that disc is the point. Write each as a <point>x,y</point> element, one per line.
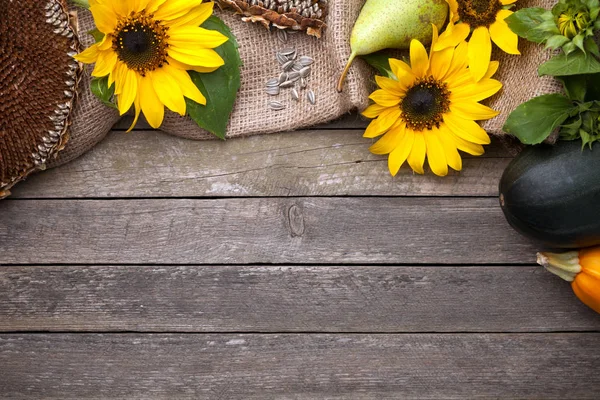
<point>581,268</point>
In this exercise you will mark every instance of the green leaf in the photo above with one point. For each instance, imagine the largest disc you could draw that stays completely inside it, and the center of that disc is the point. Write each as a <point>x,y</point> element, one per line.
<point>575,86</point>
<point>381,62</point>
<point>577,63</point>
<point>219,87</point>
<point>100,89</point>
<point>535,24</point>
<point>532,122</point>
<point>96,34</point>
<point>556,42</point>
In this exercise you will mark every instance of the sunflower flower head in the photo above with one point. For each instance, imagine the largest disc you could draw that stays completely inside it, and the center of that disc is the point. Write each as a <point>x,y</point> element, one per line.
<point>428,109</point>
<point>484,21</point>
<point>147,49</point>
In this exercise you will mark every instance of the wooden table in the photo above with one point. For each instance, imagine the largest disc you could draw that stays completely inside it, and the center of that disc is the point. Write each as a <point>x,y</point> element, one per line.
<point>287,266</point>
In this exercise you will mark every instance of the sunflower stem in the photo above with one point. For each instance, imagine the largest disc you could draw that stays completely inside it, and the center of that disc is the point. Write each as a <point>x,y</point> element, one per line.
<point>81,3</point>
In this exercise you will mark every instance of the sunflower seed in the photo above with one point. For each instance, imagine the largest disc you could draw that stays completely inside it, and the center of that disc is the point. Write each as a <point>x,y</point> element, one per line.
<point>288,65</point>
<point>276,105</point>
<point>272,91</point>
<point>295,95</point>
<point>282,78</point>
<point>281,58</point>
<point>310,95</point>
<point>306,61</point>
<point>297,66</point>
<point>282,36</point>
<point>293,76</point>
<point>272,82</point>
<point>287,52</point>
<point>287,84</point>
<point>303,83</point>
<point>304,72</point>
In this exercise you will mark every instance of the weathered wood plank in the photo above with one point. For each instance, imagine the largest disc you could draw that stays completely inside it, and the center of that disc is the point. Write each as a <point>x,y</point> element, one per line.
<point>308,163</point>
<point>451,366</point>
<point>288,299</point>
<point>260,230</point>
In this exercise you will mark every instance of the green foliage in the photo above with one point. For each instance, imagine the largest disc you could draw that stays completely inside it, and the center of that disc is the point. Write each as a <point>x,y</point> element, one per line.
<point>381,62</point>
<point>219,87</point>
<point>100,89</point>
<point>569,26</point>
<point>532,122</point>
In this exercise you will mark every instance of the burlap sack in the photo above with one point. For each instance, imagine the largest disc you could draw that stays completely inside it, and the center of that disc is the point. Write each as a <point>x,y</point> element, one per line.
<point>251,114</point>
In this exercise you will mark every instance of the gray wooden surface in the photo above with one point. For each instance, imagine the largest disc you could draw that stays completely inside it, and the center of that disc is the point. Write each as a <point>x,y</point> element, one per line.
<point>287,266</point>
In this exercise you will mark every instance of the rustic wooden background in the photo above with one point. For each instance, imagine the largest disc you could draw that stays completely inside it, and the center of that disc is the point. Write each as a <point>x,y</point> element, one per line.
<point>288,266</point>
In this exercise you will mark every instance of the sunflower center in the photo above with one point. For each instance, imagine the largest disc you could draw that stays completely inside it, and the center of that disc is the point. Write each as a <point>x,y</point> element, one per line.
<point>478,13</point>
<point>425,103</point>
<point>141,42</point>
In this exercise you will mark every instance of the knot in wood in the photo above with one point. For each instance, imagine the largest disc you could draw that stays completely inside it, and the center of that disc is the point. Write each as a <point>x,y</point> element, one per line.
<point>296,220</point>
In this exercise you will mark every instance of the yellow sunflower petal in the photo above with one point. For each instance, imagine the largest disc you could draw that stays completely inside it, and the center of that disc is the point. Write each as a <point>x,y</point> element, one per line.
<point>199,57</point>
<point>193,37</point>
<point>389,141</point>
<point>152,107</point>
<point>179,65</point>
<point>138,109</point>
<point>440,62</point>
<point>460,61</point>
<point>119,76</point>
<point>416,158</point>
<point>452,156</point>
<point>468,147</point>
<point>435,153</point>
<point>453,5</point>
<point>480,52</point>
<point>105,64</point>
<point>384,98</point>
<point>187,86</point>
<point>399,155</point>
<point>173,9</point>
<point>476,91</point>
<point>89,55</point>
<point>493,68</point>
<point>466,129</point>
<point>104,18</point>
<point>501,34</point>
<point>419,60</point>
<point>373,130</point>
<point>195,17</point>
<point>130,91</point>
<point>389,85</point>
<point>168,90</point>
<point>452,37</point>
<point>153,5</point>
<point>507,2</point>
<point>399,67</point>
<point>373,111</point>
<point>472,110</point>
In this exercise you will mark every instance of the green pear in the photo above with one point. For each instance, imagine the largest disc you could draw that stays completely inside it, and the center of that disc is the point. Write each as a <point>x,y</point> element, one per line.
<point>392,24</point>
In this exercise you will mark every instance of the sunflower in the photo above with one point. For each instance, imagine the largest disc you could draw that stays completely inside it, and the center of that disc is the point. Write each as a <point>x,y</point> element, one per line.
<point>430,109</point>
<point>147,49</point>
<point>485,18</point>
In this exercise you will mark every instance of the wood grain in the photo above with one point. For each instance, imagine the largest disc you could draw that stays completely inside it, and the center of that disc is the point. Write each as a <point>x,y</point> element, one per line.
<point>260,230</point>
<point>307,163</point>
<point>288,299</point>
<point>451,366</point>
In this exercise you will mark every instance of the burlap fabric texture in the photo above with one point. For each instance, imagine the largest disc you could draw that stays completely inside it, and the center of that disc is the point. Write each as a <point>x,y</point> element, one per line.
<point>251,114</point>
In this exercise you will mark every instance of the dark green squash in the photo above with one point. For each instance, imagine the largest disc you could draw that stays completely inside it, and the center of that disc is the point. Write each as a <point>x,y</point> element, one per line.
<point>552,194</point>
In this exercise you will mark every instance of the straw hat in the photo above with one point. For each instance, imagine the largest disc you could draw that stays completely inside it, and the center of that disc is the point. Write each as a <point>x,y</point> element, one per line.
<point>38,79</point>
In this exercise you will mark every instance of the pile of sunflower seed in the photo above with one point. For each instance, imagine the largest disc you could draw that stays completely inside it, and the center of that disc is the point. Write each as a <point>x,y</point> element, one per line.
<point>295,71</point>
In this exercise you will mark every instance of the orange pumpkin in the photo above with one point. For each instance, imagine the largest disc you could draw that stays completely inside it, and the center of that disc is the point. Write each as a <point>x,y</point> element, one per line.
<point>581,268</point>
